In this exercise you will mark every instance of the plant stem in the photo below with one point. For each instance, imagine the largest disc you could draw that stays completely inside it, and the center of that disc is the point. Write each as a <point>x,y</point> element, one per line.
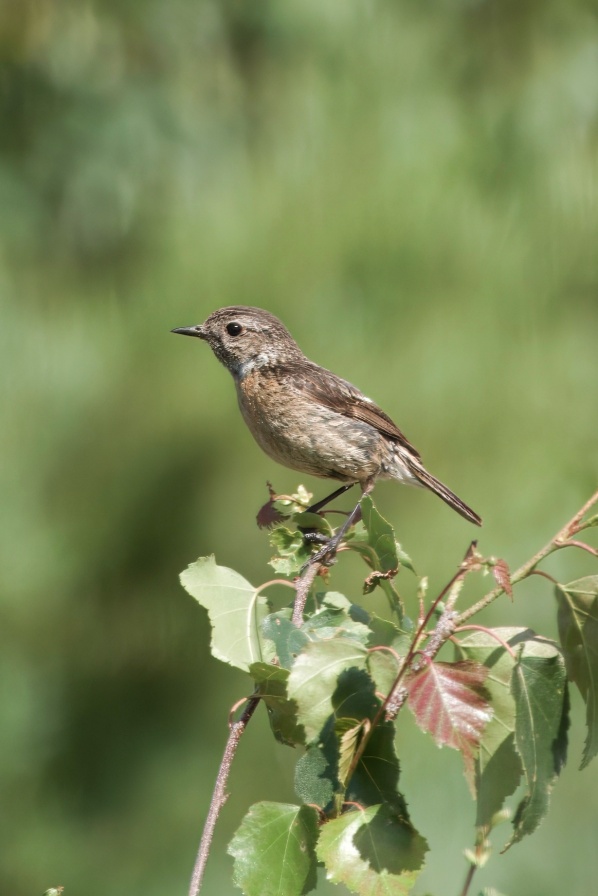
<point>302,586</point>
<point>555,543</point>
<point>468,879</point>
<point>394,696</point>
<point>446,624</point>
<point>219,796</point>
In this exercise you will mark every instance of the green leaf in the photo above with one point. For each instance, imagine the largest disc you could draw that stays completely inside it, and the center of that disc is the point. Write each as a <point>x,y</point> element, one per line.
<point>271,684</point>
<point>381,553</point>
<point>314,676</point>
<point>578,632</point>
<point>374,852</point>
<point>528,729</point>
<point>385,633</point>
<point>335,618</point>
<point>235,609</point>
<point>353,698</point>
<point>313,521</point>
<point>405,559</point>
<point>498,766</point>
<point>292,549</point>
<point>376,775</point>
<point>381,536</point>
<point>329,766</point>
<point>355,705</point>
<point>326,768</point>
<point>287,639</point>
<point>334,600</point>
<point>295,503</point>
<point>316,780</point>
<point>282,507</point>
<point>274,850</point>
<point>349,734</point>
<point>539,687</point>
<point>383,667</point>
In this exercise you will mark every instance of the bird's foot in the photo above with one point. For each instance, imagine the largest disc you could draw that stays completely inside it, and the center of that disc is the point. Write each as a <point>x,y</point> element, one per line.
<point>312,536</point>
<point>326,555</point>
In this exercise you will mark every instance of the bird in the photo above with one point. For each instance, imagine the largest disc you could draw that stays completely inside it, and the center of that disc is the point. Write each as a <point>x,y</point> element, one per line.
<point>309,419</point>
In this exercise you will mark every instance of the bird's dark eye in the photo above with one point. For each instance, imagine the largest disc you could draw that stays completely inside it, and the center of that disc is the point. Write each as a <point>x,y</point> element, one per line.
<point>234,329</point>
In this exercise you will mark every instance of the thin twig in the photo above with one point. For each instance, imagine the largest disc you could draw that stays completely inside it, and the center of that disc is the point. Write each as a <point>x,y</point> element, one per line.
<point>575,543</point>
<point>302,586</point>
<point>468,879</point>
<point>446,623</point>
<point>396,696</point>
<point>273,582</point>
<point>545,575</point>
<point>491,633</point>
<point>219,796</point>
<point>558,541</point>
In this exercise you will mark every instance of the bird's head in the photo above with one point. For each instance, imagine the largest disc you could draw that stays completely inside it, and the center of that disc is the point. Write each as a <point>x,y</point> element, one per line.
<point>244,338</point>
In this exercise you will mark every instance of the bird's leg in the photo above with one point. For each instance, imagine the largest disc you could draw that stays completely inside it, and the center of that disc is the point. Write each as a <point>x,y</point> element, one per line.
<point>319,504</point>
<point>328,550</point>
<point>312,536</point>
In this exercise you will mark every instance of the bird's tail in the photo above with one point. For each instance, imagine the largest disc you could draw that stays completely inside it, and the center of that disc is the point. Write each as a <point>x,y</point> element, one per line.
<point>426,479</point>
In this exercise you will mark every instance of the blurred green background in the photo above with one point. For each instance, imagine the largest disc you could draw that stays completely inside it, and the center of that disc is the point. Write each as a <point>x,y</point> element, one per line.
<point>413,188</point>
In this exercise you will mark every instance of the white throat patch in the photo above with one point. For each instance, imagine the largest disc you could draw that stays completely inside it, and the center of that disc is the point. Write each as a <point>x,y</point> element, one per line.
<point>261,360</point>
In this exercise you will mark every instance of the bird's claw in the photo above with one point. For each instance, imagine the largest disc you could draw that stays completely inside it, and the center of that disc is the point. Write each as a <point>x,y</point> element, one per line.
<point>312,536</point>
<point>326,556</point>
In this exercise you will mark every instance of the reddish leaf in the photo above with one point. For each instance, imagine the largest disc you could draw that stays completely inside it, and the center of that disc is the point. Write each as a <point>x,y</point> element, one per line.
<point>450,702</point>
<point>502,576</point>
<point>268,515</point>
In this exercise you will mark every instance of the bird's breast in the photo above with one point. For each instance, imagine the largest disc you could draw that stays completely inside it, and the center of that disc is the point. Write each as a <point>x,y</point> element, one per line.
<point>298,432</point>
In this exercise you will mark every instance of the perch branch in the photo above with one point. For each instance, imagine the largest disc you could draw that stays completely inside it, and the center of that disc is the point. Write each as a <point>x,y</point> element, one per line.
<point>560,540</point>
<point>219,796</point>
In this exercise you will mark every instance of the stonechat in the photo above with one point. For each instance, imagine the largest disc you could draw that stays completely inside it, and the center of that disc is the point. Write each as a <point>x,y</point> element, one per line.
<point>306,417</point>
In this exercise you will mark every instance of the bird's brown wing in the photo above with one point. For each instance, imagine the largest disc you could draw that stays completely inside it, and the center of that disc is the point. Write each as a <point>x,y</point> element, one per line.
<point>341,396</point>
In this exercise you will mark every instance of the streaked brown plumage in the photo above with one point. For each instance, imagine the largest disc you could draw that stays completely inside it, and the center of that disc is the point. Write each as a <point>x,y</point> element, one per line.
<point>306,417</point>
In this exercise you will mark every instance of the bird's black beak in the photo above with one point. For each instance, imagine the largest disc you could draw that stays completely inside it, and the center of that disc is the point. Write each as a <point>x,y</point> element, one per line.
<point>190,331</point>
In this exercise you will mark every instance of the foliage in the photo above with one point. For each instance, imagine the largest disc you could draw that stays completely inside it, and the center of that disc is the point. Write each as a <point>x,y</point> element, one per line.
<point>334,686</point>
<point>578,629</point>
